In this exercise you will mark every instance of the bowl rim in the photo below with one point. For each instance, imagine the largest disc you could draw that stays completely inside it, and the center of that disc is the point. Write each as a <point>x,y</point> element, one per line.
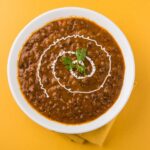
<point>129,75</point>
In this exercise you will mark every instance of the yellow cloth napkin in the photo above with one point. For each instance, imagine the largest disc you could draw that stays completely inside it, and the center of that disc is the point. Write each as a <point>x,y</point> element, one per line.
<point>97,136</point>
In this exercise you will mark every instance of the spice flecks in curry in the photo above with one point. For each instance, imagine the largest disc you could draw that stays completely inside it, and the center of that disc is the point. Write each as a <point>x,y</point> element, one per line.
<point>71,71</point>
<point>39,62</point>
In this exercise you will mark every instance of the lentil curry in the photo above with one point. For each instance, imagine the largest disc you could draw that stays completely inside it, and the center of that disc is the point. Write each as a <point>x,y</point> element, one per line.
<point>71,70</point>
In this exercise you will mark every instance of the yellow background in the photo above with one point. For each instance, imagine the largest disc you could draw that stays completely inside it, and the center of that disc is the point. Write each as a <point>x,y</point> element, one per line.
<point>131,130</point>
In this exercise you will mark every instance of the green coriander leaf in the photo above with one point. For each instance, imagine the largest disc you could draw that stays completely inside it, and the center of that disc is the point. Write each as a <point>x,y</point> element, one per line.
<point>81,54</point>
<point>69,67</point>
<point>66,60</point>
<point>80,68</point>
<point>68,63</point>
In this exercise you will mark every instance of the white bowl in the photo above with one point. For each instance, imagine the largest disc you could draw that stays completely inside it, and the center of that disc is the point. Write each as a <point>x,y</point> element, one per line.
<point>100,20</point>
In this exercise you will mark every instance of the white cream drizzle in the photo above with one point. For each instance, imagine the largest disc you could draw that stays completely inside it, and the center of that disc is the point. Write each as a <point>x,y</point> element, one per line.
<point>74,62</point>
<point>71,52</point>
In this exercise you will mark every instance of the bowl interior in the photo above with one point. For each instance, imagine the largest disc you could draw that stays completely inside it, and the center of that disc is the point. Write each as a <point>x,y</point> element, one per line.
<point>100,20</point>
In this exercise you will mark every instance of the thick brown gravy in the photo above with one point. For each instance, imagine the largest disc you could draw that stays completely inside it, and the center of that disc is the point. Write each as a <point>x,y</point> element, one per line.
<point>63,88</point>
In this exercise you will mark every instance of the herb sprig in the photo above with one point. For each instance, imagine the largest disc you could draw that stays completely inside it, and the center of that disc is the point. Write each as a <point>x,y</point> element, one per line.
<point>67,61</point>
<point>81,69</point>
<point>81,55</point>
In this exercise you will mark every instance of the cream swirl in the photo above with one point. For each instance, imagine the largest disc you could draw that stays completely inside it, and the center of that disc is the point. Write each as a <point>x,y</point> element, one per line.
<point>71,71</point>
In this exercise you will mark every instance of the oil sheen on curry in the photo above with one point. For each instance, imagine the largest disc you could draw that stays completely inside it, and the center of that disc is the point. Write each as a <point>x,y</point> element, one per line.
<point>71,70</point>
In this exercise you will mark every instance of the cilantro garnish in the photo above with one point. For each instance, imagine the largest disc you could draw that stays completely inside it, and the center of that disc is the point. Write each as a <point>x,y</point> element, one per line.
<point>67,61</point>
<point>80,68</point>
<point>80,54</point>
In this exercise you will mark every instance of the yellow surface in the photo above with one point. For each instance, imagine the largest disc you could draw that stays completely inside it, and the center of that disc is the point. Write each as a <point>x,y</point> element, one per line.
<point>131,130</point>
<point>97,136</point>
